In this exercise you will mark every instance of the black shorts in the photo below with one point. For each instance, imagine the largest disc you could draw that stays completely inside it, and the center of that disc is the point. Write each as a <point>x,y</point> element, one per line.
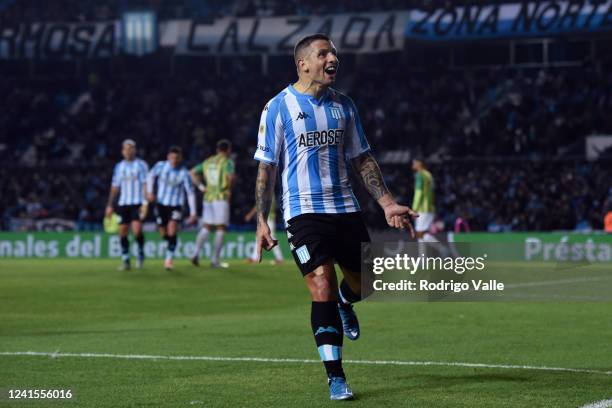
<point>166,213</point>
<point>317,238</point>
<point>128,213</point>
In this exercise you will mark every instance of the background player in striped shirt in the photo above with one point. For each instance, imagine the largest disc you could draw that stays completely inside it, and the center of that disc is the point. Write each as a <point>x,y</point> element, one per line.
<point>423,199</point>
<point>214,177</point>
<point>309,133</point>
<point>171,181</point>
<point>129,182</point>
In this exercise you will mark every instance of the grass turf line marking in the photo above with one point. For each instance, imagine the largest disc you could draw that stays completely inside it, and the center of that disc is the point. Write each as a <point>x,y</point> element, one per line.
<point>57,354</point>
<point>599,404</point>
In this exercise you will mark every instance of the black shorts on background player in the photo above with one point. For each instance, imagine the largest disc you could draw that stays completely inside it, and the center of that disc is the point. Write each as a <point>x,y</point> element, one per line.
<point>317,238</point>
<point>165,214</point>
<point>128,213</point>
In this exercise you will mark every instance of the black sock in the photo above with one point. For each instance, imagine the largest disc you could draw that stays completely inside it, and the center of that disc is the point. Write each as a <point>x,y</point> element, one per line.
<point>165,237</point>
<point>327,330</point>
<point>172,243</point>
<point>125,249</point>
<point>346,294</point>
<point>140,240</point>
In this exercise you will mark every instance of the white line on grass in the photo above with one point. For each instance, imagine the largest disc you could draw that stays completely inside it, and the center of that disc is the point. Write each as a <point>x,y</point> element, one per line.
<point>57,354</point>
<point>599,404</point>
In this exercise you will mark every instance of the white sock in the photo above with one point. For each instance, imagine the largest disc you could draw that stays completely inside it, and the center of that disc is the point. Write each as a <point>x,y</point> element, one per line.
<point>200,240</point>
<point>434,243</point>
<point>278,254</point>
<point>254,255</point>
<point>427,237</point>
<point>422,248</point>
<point>218,245</point>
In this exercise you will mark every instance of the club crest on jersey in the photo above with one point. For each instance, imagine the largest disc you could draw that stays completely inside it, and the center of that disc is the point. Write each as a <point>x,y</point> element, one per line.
<point>336,112</point>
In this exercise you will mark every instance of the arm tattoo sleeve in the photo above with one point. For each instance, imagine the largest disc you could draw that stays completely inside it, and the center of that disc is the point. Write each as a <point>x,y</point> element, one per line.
<point>366,166</point>
<point>264,190</point>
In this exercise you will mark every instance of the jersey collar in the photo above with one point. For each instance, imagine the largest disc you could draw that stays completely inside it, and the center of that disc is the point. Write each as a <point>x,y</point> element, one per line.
<point>308,96</point>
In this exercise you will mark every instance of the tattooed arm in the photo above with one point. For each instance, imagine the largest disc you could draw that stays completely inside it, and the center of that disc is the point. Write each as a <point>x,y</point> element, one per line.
<point>365,165</point>
<point>264,192</point>
<point>396,215</point>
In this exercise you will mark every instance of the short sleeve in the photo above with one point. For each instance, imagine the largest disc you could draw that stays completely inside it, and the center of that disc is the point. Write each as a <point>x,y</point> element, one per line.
<point>199,168</point>
<point>418,181</point>
<point>155,170</point>
<point>270,133</point>
<point>355,139</point>
<point>115,181</point>
<point>187,183</point>
<point>144,170</point>
<point>230,167</point>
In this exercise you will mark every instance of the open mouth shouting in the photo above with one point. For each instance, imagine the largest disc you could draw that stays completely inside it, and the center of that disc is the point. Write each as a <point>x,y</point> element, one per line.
<point>331,70</point>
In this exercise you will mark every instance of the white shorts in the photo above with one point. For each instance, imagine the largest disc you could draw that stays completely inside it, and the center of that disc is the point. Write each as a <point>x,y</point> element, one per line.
<point>216,213</point>
<point>423,222</point>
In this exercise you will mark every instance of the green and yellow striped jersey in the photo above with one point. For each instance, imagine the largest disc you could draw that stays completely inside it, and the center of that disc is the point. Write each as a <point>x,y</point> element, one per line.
<point>217,171</point>
<point>272,214</point>
<point>423,200</point>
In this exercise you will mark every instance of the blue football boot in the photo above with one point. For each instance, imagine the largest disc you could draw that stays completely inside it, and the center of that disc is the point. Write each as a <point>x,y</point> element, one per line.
<point>350,324</point>
<point>339,389</point>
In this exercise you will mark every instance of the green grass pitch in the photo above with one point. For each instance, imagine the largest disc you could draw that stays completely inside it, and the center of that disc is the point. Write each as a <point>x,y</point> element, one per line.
<point>70,306</point>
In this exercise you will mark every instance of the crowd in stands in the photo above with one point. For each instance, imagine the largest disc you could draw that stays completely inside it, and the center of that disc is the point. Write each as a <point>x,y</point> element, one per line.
<point>504,145</point>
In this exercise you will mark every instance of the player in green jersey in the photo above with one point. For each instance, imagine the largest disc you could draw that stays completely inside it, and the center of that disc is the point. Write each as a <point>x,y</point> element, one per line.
<point>214,177</point>
<point>423,203</point>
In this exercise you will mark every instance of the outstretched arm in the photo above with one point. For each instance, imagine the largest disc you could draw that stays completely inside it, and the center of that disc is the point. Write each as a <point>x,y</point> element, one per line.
<point>249,216</point>
<point>396,215</point>
<point>264,192</point>
<point>196,180</point>
<point>191,200</point>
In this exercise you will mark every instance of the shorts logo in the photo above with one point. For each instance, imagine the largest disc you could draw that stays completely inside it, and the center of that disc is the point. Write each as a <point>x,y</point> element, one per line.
<point>302,253</point>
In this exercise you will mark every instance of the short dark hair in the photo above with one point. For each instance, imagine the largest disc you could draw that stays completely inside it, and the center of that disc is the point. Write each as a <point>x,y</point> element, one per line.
<point>175,149</point>
<point>224,145</point>
<point>419,159</point>
<point>306,41</point>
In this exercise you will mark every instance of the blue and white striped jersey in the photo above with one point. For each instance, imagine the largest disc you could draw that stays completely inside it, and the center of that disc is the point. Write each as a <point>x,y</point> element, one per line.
<point>130,177</point>
<point>172,185</point>
<point>312,142</point>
